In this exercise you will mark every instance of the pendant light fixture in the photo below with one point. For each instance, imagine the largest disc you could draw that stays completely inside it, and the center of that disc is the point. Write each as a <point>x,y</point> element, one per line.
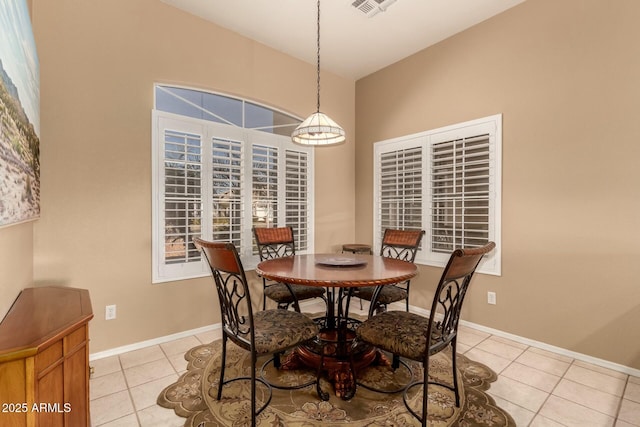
<point>318,128</point>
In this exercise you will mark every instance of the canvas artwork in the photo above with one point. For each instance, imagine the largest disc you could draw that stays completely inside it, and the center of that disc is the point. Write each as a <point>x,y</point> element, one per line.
<point>19,116</point>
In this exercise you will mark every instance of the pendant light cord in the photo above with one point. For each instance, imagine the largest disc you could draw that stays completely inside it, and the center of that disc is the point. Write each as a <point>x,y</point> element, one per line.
<point>318,68</point>
<point>318,128</point>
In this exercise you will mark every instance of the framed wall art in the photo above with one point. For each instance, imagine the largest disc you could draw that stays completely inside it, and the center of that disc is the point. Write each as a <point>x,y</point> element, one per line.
<point>19,116</point>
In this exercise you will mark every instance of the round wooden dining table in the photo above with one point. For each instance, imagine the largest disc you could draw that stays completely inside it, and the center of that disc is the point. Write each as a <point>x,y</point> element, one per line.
<point>335,350</point>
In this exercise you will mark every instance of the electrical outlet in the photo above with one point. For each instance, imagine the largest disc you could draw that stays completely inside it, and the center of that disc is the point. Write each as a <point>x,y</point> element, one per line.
<point>491,297</point>
<point>110,312</point>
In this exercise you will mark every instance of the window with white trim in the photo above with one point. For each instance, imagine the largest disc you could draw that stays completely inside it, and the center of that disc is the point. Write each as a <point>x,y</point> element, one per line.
<point>220,167</point>
<point>447,182</point>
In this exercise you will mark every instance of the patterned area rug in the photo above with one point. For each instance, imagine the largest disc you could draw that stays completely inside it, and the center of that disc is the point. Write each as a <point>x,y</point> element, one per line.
<point>193,396</point>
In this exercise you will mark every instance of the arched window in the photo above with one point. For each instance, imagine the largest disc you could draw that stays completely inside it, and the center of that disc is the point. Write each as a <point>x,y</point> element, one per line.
<point>222,165</point>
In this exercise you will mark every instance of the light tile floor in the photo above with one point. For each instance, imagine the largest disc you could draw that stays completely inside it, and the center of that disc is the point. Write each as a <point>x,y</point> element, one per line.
<point>538,388</point>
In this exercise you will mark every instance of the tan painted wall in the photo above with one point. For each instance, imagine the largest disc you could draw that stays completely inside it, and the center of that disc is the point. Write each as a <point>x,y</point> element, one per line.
<point>566,77</point>
<point>99,61</point>
<point>16,263</point>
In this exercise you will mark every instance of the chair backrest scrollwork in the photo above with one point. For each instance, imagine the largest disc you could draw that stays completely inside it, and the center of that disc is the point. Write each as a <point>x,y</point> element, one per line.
<point>401,244</point>
<point>452,288</point>
<point>274,242</point>
<point>232,288</point>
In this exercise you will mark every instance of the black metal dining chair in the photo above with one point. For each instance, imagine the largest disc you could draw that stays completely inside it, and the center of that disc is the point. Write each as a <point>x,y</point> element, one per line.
<point>278,242</point>
<point>269,332</point>
<point>416,337</point>
<point>398,244</point>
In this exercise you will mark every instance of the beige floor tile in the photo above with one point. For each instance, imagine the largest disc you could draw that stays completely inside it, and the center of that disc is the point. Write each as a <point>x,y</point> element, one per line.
<point>634,380</point>
<point>142,356</point>
<point>179,363</point>
<point>146,394</point>
<point>155,416</point>
<point>493,361</point>
<point>551,354</point>
<point>151,371</point>
<point>587,396</point>
<point>595,379</point>
<point>126,421</point>
<point>602,370</point>
<point>512,343</point>
<point>180,346</point>
<point>520,415</point>
<point>107,384</point>
<point>104,366</point>
<point>111,407</point>
<point>209,336</point>
<point>543,362</point>
<point>540,421</point>
<point>462,348</point>
<point>571,414</point>
<point>620,423</point>
<point>630,412</point>
<point>520,394</point>
<point>531,376</point>
<point>632,392</point>
<point>506,351</point>
<point>471,337</point>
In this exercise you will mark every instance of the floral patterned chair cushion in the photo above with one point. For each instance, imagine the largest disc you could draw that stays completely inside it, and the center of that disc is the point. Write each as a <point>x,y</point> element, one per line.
<point>279,292</point>
<point>388,294</point>
<point>398,332</point>
<point>276,330</point>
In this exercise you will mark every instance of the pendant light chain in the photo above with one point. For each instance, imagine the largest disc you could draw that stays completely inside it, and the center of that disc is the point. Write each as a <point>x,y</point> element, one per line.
<point>318,62</point>
<point>318,128</point>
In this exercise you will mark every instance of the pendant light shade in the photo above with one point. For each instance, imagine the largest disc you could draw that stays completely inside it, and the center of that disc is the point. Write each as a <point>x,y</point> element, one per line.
<point>318,128</point>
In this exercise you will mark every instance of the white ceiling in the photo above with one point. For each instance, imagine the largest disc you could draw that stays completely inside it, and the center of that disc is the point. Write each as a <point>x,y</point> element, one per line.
<point>352,44</point>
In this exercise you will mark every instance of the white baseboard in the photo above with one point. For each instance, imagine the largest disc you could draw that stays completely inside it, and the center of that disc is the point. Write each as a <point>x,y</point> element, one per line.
<point>161,340</point>
<point>398,306</point>
<point>543,346</point>
<point>155,341</point>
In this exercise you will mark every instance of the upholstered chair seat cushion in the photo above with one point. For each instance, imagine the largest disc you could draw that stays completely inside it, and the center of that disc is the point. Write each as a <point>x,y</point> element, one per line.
<point>278,330</point>
<point>280,293</point>
<point>388,294</point>
<point>398,332</point>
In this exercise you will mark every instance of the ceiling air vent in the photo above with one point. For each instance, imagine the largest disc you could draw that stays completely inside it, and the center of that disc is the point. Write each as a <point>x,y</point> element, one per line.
<point>372,7</point>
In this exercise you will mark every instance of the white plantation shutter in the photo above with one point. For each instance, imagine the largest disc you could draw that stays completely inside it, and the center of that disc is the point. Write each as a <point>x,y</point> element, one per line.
<point>297,196</point>
<point>280,187</point>
<point>183,198</point>
<point>217,181</point>
<point>265,185</point>
<point>401,189</point>
<point>226,160</point>
<point>264,188</point>
<point>178,152</point>
<point>447,182</point>
<point>460,172</point>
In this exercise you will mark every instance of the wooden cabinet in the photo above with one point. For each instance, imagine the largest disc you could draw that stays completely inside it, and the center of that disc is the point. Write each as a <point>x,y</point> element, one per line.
<point>44,359</point>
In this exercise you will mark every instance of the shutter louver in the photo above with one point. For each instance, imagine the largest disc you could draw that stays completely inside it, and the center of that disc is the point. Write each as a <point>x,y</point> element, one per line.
<point>401,189</point>
<point>296,200</point>
<point>264,186</point>
<point>460,193</point>
<point>227,198</point>
<point>183,198</point>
